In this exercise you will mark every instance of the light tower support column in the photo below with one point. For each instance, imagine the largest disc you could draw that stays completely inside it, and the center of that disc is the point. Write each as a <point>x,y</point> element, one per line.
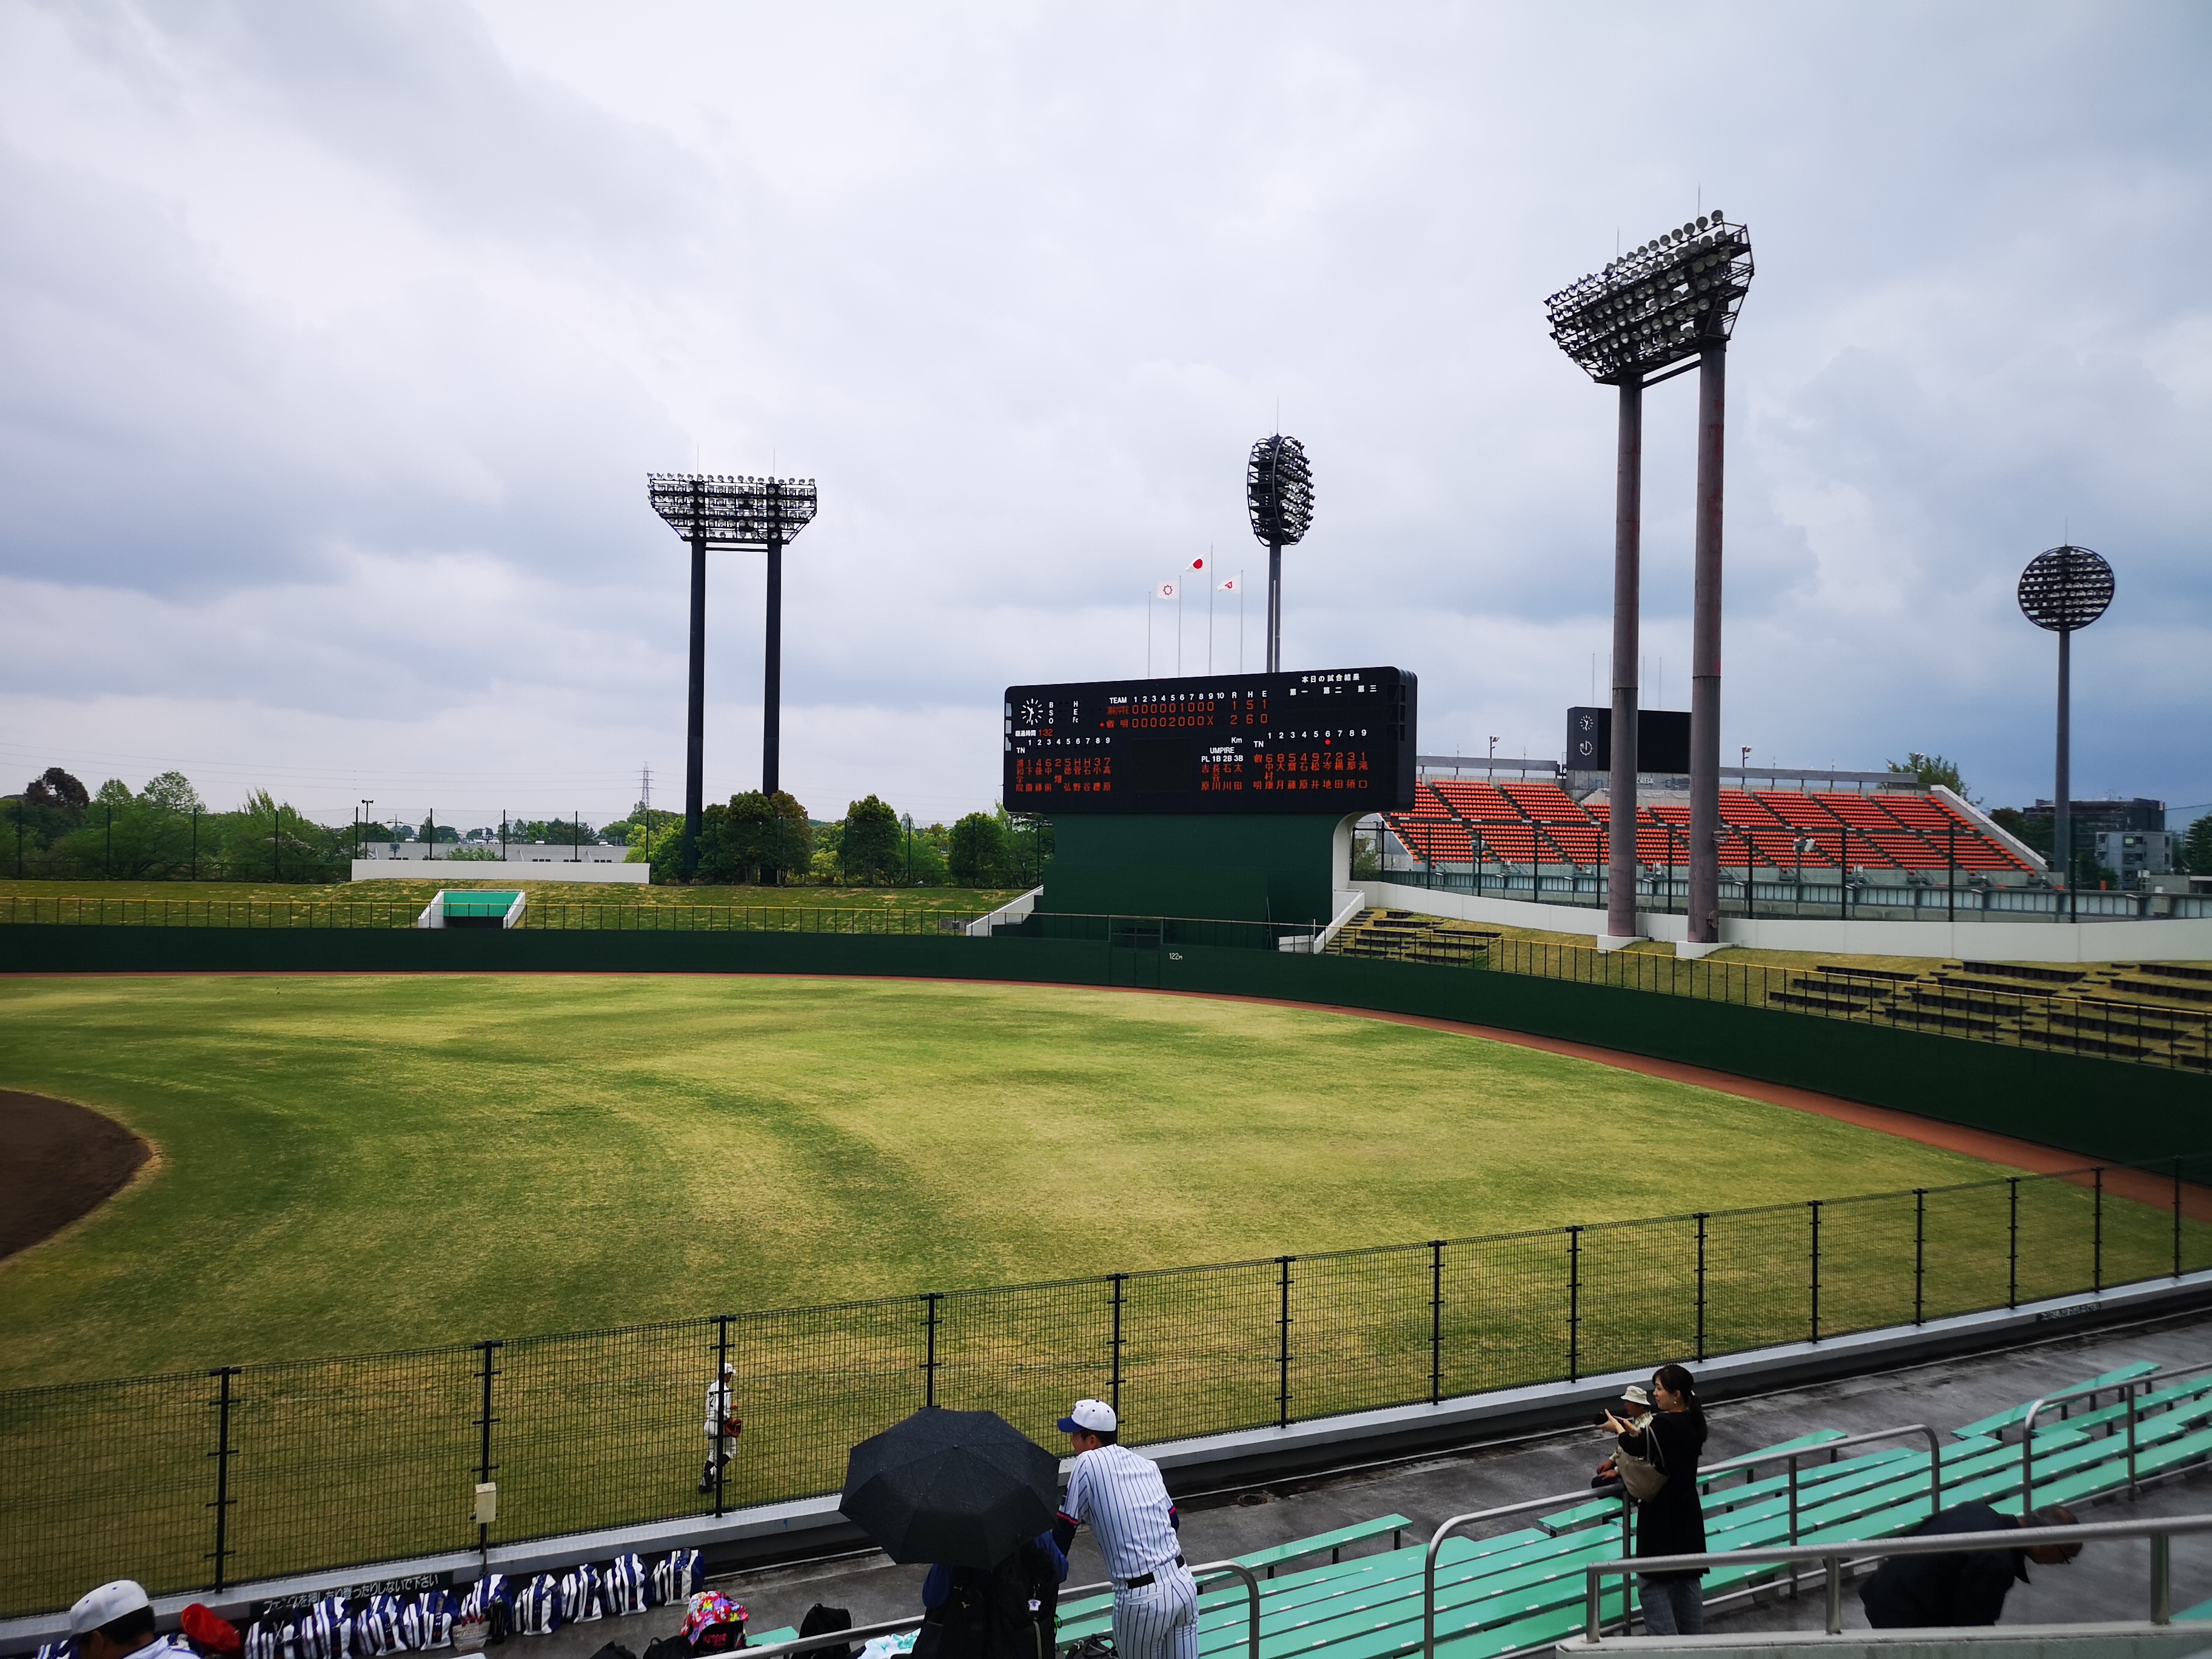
<point>2062,806</point>
<point>694,730</point>
<point>1274,607</point>
<point>1705,653</point>
<point>772,672</point>
<point>1627,579</point>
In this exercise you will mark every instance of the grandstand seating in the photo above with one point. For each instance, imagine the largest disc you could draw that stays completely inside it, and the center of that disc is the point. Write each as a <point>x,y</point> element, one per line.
<point>1523,1588</point>
<point>1523,822</point>
<point>2123,1011</point>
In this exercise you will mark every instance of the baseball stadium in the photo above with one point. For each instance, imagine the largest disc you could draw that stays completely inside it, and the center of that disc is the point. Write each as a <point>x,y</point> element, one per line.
<point>1347,1123</point>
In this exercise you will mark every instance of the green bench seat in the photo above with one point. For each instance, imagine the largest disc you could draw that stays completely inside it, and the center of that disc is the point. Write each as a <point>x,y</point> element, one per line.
<point>1998,1422</point>
<point>1298,1548</point>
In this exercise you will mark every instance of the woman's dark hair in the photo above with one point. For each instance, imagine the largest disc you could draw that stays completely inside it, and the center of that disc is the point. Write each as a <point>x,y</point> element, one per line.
<point>1677,1380</point>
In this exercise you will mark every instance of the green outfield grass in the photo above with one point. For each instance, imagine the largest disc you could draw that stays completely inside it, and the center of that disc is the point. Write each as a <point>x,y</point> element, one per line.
<point>350,1163</point>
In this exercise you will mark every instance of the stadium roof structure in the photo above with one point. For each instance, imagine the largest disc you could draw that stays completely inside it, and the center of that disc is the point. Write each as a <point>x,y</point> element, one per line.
<point>1656,305</point>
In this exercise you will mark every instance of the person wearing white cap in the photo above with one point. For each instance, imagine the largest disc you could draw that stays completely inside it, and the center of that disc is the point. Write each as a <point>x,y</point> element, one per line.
<point>723,1424</point>
<point>1121,1498</point>
<point>117,1620</point>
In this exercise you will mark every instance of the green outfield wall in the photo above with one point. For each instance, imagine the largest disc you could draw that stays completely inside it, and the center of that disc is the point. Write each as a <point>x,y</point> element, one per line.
<point>2104,1110</point>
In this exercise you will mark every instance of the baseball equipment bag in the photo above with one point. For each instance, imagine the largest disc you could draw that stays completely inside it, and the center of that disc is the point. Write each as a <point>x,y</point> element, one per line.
<point>434,1612</point>
<point>628,1586</point>
<point>492,1601</point>
<point>376,1627</point>
<point>537,1608</point>
<point>676,1576</point>
<point>581,1601</point>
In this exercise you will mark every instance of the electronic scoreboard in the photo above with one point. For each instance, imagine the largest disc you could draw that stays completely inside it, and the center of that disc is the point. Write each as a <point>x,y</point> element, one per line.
<point>1336,740</point>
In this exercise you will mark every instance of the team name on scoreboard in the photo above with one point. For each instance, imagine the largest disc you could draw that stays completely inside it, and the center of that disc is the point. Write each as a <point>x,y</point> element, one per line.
<point>1333,740</point>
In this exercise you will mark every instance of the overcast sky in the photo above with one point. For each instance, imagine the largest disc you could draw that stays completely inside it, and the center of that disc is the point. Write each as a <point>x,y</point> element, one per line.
<point>336,341</point>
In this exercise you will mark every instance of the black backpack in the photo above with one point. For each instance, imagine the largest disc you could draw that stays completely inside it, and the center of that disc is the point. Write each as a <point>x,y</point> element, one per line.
<point>820,1621</point>
<point>986,1614</point>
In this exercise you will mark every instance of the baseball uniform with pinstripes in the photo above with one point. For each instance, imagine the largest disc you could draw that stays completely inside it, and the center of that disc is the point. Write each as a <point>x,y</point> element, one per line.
<point>1121,1498</point>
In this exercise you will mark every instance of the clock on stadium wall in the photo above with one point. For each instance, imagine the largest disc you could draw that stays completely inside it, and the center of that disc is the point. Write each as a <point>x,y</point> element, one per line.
<point>1333,740</point>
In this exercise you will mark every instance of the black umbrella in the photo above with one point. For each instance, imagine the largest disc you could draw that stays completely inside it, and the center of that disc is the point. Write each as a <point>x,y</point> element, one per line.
<point>963,1488</point>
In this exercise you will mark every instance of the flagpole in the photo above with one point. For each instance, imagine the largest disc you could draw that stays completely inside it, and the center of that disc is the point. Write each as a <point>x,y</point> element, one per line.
<point>1179,588</point>
<point>1240,620</point>
<point>1148,634</point>
<point>1211,583</point>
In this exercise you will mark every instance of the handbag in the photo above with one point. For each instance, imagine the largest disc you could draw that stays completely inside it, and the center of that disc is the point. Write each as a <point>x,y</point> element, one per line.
<point>1643,1477</point>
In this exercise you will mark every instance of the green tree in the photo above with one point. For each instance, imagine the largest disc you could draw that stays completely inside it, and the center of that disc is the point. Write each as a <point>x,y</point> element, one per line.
<point>2196,847</point>
<point>114,793</point>
<point>172,792</point>
<point>976,851</point>
<point>871,849</point>
<point>1931,769</point>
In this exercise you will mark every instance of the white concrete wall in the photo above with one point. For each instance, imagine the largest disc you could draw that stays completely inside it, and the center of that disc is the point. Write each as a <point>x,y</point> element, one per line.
<point>2168,940</point>
<point>492,870</point>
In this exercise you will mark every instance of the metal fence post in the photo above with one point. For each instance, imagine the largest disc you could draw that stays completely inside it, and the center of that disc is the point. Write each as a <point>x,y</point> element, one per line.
<point>1574,1303</point>
<point>929,1354</point>
<point>722,1416</point>
<point>1114,1382</point>
<point>2012,1246</point>
<point>1283,1349</point>
<point>1919,1253</point>
<point>222,1454</point>
<point>1816,1270</point>
<point>484,1420</point>
<point>1702,1217</point>
<point>2097,1237</point>
<point>2177,1217</point>
<point>1436,1320</point>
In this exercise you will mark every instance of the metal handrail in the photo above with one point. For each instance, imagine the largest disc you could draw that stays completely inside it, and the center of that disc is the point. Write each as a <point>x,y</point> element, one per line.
<point>895,1627</point>
<point>2134,1388</point>
<point>2159,1530</point>
<point>1748,1460</point>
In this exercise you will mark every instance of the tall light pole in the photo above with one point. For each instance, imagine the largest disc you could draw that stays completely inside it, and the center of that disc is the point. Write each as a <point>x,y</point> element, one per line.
<point>1279,495</point>
<point>711,511</point>
<point>1656,312</point>
<point>2064,589</point>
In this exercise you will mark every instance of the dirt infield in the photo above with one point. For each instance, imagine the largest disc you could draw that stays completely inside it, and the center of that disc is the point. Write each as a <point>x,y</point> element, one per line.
<point>57,1161</point>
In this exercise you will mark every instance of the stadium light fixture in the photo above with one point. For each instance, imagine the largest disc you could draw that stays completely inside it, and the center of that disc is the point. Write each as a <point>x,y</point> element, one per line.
<point>1648,316</point>
<point>1279,496</point>
<point>2063,591</point>
<point>710,511</point>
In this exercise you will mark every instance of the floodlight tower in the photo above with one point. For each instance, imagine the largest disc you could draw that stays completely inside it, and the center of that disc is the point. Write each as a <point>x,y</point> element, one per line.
<point>1658,312</point>
<point>1278,495</point>
<point>713,512</point>
<point>2064,589</point>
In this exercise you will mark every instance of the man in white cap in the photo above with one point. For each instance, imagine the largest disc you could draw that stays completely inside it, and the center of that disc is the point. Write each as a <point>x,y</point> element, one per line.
<point>1121,1498</point>
<point>117,1620</point>
<point>723,1424</point>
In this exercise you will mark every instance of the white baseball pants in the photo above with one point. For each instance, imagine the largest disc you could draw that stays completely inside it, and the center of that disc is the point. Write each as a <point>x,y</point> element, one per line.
<point>1158,1620</point>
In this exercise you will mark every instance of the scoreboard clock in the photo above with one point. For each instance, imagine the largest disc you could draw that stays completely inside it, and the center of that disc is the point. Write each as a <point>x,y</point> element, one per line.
<point>1336,740</point>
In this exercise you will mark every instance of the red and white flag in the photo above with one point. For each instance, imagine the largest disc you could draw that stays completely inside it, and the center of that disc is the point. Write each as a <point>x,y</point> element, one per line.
<point>1167,591</point>
<point>1198,565</point>
<point>1228,585</point>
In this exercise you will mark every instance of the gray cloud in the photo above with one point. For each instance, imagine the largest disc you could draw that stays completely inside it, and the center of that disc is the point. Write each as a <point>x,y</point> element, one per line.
<point>323,335</point>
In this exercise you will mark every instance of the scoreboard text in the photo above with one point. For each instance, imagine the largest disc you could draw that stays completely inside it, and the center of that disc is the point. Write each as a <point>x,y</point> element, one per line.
<point>1334,740</point>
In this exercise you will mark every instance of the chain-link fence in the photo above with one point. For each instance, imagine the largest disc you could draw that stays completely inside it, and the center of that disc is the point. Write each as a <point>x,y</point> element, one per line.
<point>256,1471</point>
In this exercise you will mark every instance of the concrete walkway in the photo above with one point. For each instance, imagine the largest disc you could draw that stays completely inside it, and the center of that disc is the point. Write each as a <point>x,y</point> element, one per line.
<point>2110,1582</point>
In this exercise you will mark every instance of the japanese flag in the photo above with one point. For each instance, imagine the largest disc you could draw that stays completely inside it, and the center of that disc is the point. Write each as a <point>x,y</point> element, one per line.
<point>1198,565</point>
<point>1167,591</point>
<point>1228,585</point>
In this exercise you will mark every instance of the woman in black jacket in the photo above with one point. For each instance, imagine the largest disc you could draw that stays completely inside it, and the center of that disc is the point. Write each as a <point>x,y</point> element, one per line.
<point>1671,1523</point>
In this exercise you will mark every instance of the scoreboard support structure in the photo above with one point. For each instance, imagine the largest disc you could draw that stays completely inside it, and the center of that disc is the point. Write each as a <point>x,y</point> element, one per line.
<point>1227,797</point>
